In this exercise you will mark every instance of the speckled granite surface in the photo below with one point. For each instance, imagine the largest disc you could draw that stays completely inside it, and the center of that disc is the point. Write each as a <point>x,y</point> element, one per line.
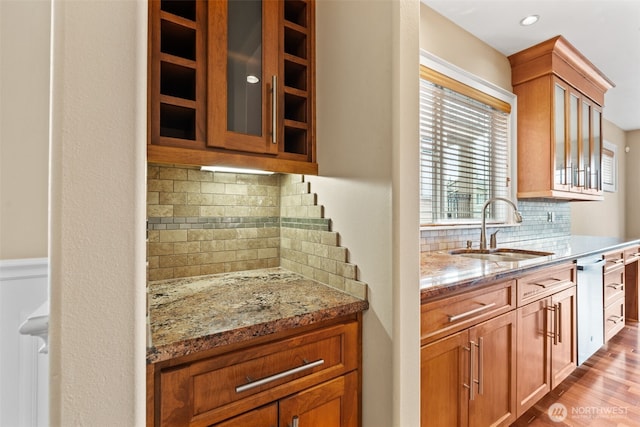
<point>199,313</point>
<point>443,274</point>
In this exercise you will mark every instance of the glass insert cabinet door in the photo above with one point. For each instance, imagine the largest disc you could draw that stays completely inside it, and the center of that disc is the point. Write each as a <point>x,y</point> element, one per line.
<point>243,61</point>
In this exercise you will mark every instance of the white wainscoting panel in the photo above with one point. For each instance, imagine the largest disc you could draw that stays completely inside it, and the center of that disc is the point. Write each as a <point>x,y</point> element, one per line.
<point>24,373</point>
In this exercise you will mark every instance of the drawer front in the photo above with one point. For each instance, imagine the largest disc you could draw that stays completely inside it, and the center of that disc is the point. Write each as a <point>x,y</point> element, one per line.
<point>632,254</point>
<point>613,260</point>
<point>306,360</point>
<point>544,283</point>
<point>443,317</point>
<point>613,319</point>
<point>613,286</point>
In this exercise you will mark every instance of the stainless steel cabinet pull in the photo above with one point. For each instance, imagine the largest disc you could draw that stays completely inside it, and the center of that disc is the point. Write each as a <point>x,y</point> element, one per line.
<point>274,109</point>
<point>615,319</point>
<point>480,366</point>
<point>294,421</point>
<point>453,318</point>
<point>471,348</point>
<point>616,286</point>
<point>554,324</point>
<point>550,279</point>
<point>559,322</point>
<point>616,261</point>
<point>257,383</point>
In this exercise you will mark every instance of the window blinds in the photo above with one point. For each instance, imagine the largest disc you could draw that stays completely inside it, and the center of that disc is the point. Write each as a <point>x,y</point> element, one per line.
<point>464,156</point>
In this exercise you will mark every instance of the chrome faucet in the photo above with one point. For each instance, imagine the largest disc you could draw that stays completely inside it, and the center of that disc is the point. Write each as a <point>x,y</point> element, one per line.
<point>483,232</point>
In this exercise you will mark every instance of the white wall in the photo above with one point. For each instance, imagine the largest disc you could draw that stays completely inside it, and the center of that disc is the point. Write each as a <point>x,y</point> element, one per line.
<point>97,219</point>
<point>632,196</point>
<point>367,125</point>
<point>24,127</point>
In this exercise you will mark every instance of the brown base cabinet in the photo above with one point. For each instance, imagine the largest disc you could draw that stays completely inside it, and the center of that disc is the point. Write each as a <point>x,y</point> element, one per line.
<point>546,346</point>
<point>505,346</point>
<point>468,378</point>
<point>310,379</point>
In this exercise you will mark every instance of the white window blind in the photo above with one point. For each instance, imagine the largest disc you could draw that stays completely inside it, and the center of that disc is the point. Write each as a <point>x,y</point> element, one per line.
<point>464,155</point>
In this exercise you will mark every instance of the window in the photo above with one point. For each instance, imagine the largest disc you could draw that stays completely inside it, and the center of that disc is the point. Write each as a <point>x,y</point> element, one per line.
<point>465,147</point>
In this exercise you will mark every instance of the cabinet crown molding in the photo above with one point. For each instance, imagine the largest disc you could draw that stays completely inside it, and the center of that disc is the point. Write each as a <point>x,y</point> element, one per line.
<point>558,56</point>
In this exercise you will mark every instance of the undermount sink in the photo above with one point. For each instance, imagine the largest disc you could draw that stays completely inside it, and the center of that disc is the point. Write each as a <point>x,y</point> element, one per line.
<point>500,254</point>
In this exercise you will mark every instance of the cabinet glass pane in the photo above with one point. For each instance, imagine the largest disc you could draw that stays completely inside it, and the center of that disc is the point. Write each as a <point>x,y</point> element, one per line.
<point>597,149</point>
<point>576,177</point>
<point>560,173</point>
<point>585,163</point>
<point>244,67</point>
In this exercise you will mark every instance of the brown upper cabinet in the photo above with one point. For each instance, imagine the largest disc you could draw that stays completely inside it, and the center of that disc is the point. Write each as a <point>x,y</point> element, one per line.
<point>232,83</point>
<point>560,99</point>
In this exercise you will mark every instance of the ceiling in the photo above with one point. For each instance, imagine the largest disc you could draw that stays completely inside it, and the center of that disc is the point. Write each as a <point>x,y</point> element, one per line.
<point>607,32</point>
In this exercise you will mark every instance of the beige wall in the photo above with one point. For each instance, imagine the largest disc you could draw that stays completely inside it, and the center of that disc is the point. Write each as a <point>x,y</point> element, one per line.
<point>367,124</point>
<point>24,128</point>
<point>633,184</point>
<point>97,250</point>
<point>605,218</point>
<point>448,41</point>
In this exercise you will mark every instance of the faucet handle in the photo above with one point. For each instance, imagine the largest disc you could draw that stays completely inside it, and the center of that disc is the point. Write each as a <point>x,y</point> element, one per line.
<point>469,244</point>
<point>493,242</point>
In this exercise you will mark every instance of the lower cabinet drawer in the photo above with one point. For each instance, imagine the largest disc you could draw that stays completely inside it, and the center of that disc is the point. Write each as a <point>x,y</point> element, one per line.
<point>613,286</point>
<point>541,284</point>
<point>211,390</point>
<point>613,318</point>
<point>443,317</point>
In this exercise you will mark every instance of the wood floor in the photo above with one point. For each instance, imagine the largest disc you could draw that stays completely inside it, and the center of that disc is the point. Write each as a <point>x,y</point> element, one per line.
<point>603,392</point>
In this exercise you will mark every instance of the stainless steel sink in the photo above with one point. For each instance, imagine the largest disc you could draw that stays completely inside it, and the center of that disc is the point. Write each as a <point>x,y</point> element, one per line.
<point>500,254</point>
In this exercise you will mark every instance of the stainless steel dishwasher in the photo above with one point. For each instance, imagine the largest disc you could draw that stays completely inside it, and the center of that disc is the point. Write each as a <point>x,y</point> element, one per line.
<point>590,310</point>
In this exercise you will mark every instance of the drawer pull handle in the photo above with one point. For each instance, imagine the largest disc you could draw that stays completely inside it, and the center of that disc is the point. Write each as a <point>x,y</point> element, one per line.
<point>470,312</point>
<point>266,380</point>
<point>553,281</point>
<point>615,319</point>
<point>616,261</point>
<point>616,286</point>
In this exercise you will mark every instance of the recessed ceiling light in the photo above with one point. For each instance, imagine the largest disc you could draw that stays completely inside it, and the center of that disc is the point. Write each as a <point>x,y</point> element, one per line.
<point>529,20</point>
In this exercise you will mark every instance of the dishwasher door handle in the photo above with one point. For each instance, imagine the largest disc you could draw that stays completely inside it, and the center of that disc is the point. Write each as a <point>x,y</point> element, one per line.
<point>591,266</point>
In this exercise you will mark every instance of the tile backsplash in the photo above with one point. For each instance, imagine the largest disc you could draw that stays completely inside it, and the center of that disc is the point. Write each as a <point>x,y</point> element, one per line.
<point>202,222</point>
<point>535,226</point>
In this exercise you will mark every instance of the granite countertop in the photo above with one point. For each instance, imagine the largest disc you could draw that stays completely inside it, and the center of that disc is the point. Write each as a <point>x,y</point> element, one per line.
<point>199,313</point>
<point>443,274</point>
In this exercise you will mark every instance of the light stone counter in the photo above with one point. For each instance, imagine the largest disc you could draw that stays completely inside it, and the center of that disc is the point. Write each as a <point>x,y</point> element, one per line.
<point>199,313</point>
<point>443,274</point>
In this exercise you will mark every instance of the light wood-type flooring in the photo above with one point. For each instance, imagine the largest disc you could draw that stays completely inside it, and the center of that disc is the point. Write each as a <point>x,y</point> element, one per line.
<point>603,392</point>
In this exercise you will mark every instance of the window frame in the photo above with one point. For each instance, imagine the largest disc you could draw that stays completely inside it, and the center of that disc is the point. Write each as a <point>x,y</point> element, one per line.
<point>464,77</point>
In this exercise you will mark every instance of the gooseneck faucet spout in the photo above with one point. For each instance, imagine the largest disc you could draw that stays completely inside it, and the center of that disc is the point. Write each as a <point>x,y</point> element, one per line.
<point>483,232</point>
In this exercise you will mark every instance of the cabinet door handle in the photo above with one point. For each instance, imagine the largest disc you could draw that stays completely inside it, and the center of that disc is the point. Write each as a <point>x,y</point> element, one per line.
<point>559,322</point>
<point>294,421</point>
<point>616,261</point>
<point>266,380</point>
<point>274,109</point>
<point>453,318</point>
<point>554,324</point>
<point>480,366</point>
<point>471,349</point>
<point>616,286</point>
